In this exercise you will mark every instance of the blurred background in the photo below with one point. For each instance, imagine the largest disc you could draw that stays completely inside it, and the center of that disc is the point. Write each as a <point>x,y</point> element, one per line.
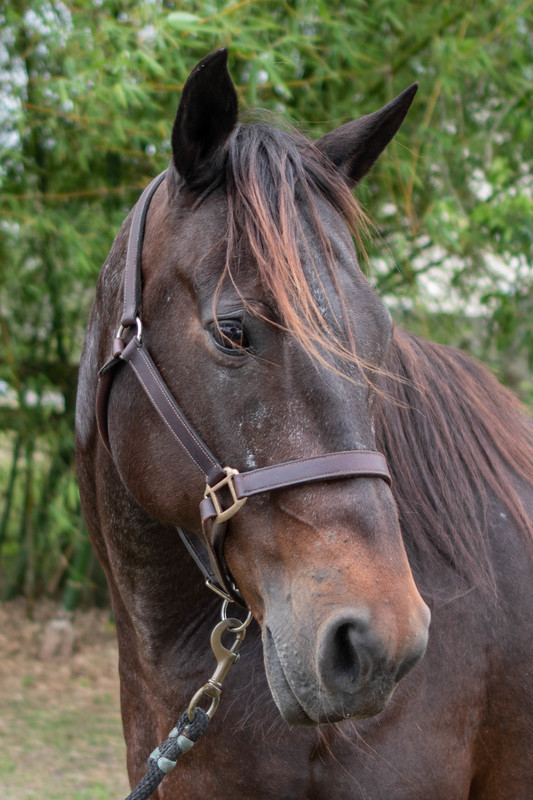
<point>88,94</point>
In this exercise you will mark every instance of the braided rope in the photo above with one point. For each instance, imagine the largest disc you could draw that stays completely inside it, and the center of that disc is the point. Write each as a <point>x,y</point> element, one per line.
<point>164,758</point>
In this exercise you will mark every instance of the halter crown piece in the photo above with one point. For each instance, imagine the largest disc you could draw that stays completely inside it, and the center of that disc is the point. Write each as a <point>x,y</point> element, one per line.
<point>226,489</point>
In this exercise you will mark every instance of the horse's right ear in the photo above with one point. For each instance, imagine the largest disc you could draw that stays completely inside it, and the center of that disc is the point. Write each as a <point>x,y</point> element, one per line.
<point>207,114</point>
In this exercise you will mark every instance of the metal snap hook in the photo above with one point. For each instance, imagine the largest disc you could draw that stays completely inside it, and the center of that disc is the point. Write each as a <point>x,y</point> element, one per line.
<point>225,659</point>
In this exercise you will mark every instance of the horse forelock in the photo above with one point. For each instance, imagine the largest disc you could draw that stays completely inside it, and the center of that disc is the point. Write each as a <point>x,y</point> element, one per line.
<point>271,175</point>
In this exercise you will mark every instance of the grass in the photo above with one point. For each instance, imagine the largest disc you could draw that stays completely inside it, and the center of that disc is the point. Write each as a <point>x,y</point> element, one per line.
<point>60,728</point>
<point>55,753</point>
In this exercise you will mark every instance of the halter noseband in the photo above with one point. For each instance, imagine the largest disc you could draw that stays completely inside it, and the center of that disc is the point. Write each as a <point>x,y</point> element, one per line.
<point>227,489</point>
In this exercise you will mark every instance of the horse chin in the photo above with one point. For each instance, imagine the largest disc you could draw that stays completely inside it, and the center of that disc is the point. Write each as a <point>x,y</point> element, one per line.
<point>303,706</point>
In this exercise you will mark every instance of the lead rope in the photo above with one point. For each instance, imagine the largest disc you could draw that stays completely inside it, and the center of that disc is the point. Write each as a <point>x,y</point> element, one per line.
<point>194,722</point>
<point>165,757</point>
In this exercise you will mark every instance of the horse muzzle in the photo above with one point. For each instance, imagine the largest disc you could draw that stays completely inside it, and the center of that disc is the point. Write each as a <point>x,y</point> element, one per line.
<point>349,673</point>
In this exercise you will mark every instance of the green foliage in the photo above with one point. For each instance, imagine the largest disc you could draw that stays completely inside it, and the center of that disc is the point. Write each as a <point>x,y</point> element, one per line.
<point>88,92</point>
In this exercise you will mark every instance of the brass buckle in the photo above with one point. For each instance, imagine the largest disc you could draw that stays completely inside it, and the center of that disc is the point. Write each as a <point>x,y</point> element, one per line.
<point>211,491</point>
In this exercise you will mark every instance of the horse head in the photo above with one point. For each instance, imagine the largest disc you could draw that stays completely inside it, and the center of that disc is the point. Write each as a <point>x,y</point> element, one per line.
<point>270,338</point>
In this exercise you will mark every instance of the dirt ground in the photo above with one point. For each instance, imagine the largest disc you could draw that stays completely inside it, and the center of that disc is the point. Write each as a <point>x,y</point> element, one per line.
<point>60,730</point>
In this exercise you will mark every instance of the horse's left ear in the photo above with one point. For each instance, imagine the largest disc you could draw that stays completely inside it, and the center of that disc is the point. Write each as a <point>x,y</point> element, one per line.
<point>207,114</point>
<point>354,147</point>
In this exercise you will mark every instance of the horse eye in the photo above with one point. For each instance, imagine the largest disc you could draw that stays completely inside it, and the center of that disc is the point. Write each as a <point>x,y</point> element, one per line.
<point>229,335</point>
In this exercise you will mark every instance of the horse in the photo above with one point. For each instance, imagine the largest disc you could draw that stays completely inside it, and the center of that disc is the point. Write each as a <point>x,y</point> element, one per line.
<point>412,497</point>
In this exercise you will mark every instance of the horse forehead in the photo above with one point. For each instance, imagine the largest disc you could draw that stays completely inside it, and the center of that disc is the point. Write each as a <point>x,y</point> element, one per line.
<point>202,229</point>
<point>199,227</point>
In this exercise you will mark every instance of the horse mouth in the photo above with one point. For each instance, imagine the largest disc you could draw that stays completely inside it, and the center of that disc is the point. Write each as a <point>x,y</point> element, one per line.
<point>288,704</point>
<point>302,702</point>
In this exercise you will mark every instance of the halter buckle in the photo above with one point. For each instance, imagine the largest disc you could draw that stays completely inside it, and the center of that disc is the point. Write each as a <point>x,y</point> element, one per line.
<point>223,514</point>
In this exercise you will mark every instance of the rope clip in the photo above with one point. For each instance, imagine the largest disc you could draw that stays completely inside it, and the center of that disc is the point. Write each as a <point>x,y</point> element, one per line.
<point>225,659</point>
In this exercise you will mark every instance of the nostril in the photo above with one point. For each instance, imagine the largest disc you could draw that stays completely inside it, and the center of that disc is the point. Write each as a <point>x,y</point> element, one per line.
<point>413,655</point>
<point>408,664</point>
<point>343,654</point>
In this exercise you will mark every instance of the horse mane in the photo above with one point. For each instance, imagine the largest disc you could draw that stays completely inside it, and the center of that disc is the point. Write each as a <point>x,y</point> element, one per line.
<point>271,174</point>
<point>456,442</point>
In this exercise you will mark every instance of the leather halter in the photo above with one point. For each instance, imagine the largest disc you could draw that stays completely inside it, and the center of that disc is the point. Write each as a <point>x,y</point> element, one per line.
<point>226,488</point>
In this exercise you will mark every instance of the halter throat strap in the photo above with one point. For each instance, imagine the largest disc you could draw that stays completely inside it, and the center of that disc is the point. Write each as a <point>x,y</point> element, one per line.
<point>227,489</point>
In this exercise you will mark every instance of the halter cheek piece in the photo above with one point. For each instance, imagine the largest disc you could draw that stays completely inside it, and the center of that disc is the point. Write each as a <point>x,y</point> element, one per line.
<point>227,489</point>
